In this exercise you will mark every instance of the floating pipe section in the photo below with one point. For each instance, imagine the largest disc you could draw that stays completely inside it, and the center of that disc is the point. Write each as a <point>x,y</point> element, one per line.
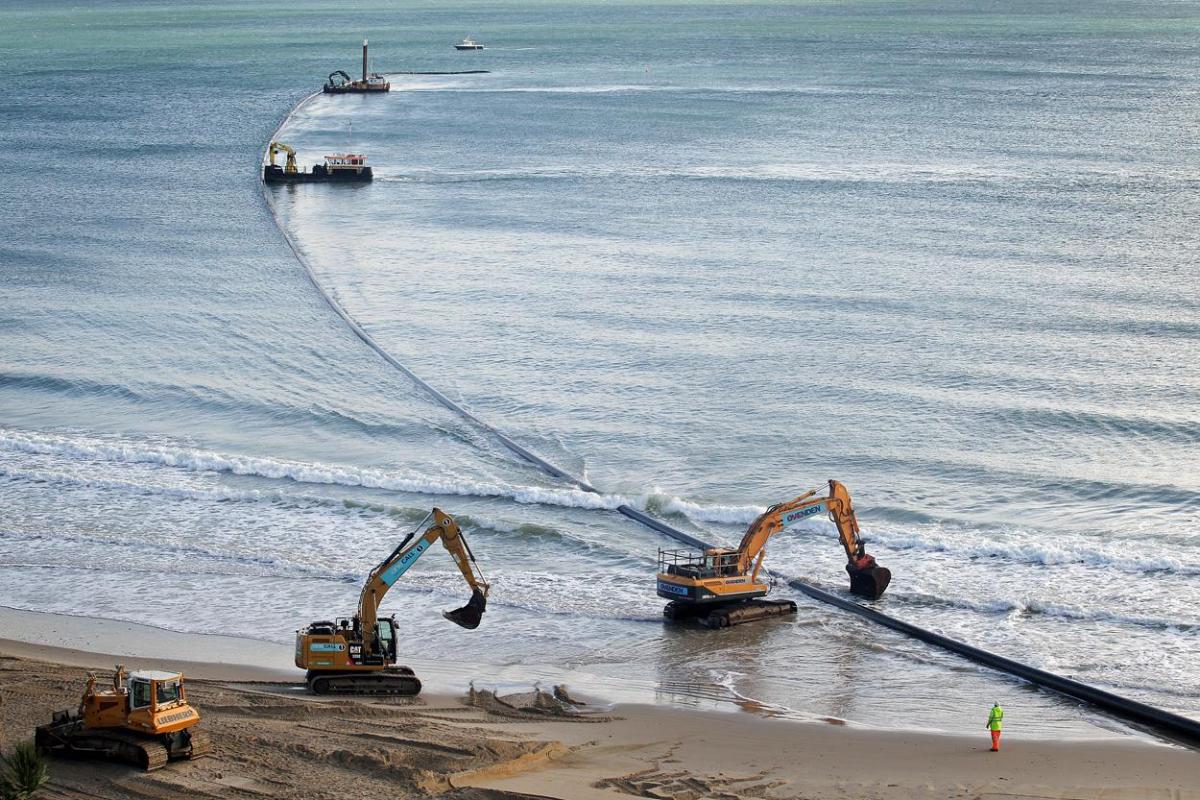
<point>1165,723</point>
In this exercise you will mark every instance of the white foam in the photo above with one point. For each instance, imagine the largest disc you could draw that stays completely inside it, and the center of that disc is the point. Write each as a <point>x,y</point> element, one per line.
<point>728,515</point>
<point>1034,606</point>
<point>1031,553</point>
<point>199,460</point>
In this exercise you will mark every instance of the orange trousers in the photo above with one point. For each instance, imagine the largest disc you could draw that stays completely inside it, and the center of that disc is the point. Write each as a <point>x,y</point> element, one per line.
<point>995,741</point>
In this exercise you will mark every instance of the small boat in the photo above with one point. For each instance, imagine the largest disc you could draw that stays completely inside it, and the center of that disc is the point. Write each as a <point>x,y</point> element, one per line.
<point>468,44</point>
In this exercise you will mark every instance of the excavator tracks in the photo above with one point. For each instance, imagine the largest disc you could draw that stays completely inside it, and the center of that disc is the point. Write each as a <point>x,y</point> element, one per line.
<point>201,744</point>
<point>728,615</point>
<point>396,682</point>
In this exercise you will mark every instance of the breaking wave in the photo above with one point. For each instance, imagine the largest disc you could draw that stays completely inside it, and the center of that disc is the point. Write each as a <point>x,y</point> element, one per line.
<point>207,461</point>
<point>727,515</point>
<point>198,460</point>
<point>1039,554</point>
<point>1034,607</point>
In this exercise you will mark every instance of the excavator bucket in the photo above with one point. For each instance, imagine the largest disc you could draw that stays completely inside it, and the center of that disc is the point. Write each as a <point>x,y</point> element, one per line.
<point>469,615</point>
<point>871,582</point>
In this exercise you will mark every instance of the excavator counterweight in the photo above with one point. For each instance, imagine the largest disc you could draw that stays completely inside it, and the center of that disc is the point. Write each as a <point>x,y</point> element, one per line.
<point>722,587</point>
<point>357,655</point>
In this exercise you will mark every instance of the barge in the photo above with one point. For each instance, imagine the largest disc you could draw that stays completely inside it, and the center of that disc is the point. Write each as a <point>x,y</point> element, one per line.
<point>340,83</point>
<point>338,168</point>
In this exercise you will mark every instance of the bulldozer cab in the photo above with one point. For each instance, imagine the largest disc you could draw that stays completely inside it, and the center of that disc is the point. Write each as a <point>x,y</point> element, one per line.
<point>168,693</point>
<point>156,690</point>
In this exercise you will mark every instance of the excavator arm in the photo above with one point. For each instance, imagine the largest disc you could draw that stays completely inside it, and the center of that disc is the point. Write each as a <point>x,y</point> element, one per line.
<point>276,147</point>
<point>384,576</point>
<point>866,577</point>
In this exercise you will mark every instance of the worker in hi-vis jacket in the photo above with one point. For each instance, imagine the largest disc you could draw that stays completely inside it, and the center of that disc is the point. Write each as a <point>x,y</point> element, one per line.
<point>994,724</point>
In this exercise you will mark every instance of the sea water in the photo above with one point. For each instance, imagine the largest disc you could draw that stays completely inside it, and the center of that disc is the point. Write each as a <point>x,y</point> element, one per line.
<point>707,256</point>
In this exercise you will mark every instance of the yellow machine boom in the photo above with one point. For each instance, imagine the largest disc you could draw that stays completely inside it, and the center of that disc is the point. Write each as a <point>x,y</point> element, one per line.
<point>290,165</point>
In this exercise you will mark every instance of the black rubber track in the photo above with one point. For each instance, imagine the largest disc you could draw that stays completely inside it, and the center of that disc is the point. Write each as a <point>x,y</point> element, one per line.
<point>1165,723</point>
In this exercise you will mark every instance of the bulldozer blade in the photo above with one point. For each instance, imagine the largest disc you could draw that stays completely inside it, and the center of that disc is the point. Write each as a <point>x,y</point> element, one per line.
<point>469,615</point>
<point>870,583</point>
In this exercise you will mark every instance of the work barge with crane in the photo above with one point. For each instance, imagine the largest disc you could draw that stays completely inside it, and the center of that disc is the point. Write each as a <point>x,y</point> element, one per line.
<point>341,83</point>
<point>338,168</point>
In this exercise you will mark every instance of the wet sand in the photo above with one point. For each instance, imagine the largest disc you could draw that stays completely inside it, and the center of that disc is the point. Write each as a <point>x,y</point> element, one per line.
<point>271,739</point>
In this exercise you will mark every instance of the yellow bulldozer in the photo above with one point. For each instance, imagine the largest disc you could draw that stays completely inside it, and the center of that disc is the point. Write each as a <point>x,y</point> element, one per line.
<point>143,719</point>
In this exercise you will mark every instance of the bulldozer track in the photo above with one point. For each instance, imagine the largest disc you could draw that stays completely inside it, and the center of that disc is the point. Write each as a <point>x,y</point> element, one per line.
<point>116,746</point>
<point>201,744</point>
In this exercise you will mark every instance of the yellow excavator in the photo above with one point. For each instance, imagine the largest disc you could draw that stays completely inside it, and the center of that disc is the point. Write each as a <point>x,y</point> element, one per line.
<point>290,165</point>
<point>721,586</point>
<point>357,655</point>
<point>143,719</point>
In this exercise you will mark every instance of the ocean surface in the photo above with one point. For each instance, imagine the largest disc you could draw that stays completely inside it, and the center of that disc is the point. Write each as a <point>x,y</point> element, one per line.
<point>706,256</point>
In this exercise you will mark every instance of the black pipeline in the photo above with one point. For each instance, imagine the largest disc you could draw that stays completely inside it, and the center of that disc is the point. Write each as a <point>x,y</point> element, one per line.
<point>1170,725</point>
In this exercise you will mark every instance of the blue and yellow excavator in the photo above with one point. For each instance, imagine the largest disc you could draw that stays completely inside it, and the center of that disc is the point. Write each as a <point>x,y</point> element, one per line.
<point>722,587</point>
<point>357,655</point>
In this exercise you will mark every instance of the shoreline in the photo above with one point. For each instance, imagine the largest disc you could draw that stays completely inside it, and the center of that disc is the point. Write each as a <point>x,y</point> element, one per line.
<point>99,643</point>
<point>264,724</point>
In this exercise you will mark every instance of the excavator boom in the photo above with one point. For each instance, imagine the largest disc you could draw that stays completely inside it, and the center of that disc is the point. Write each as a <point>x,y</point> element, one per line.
<point>406,554</point>
<point>866,577</point>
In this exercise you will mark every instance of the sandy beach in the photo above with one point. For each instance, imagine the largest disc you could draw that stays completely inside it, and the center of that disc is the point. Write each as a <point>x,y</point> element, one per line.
<point>274,740</point>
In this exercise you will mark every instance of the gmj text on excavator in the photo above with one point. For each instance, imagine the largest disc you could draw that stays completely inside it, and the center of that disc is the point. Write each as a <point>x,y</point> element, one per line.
<point>357,655</point>
<point>722,587</point>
